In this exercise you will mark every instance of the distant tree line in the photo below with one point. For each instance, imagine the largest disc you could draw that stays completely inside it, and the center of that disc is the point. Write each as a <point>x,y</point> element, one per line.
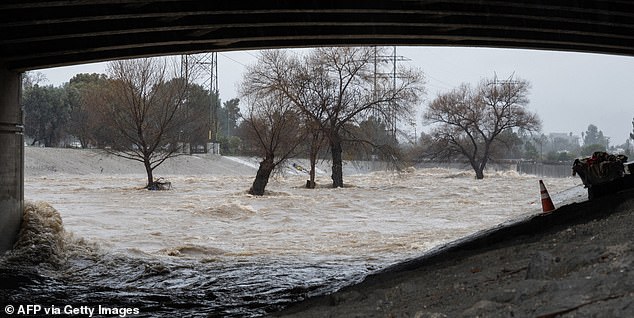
<point>68,115</point>
<point>560,147</point>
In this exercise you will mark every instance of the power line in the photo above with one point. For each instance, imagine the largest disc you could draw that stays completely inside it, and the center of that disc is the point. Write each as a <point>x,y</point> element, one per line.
<point>234,60</point>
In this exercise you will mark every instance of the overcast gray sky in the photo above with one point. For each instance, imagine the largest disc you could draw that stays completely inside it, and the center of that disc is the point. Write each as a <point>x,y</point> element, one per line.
<point>569,90</point>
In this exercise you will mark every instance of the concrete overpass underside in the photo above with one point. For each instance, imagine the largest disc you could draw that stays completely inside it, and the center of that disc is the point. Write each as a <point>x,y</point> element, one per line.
<point>41,34</point>
<point>38,34</point>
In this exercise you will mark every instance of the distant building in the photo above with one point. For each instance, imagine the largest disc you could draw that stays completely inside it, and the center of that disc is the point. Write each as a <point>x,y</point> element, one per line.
<point>565,137</point>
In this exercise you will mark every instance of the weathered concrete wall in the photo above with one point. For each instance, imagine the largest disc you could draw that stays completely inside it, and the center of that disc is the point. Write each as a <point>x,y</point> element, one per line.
<point>11,158</point>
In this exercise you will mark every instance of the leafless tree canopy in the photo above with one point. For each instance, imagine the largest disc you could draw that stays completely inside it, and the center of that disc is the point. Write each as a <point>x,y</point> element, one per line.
<point>332,87</point>
<point>469,121</point>
<point>142,107</point>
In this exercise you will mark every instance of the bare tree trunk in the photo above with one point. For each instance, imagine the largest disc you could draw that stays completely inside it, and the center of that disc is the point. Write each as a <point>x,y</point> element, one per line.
<point>149,171</point>
<point>262,176</point>
<point>479,173</point>
<point>313,162</point>
<point>314,151</point>
<point>483,163</point>
<point>337,162</point>
<point>478,168</point>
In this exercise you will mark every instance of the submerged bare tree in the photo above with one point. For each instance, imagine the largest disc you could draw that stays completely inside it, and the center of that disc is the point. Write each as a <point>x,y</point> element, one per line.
<point>274,131</point>
<point>333,87</point>
<point>141,107</point>
<point>470,121</point>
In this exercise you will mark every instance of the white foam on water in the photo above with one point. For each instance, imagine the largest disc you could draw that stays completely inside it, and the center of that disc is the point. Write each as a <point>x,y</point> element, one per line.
<point>383,215</point>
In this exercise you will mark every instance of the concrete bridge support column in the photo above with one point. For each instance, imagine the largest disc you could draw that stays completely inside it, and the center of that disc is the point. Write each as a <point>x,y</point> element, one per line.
<point>11,158</point>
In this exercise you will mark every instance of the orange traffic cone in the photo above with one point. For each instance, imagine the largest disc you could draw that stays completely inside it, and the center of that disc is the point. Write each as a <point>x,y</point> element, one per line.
<point>547,203</point>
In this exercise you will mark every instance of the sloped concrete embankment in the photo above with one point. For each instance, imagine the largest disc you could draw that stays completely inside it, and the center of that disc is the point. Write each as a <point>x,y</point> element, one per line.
<point>577,261</point>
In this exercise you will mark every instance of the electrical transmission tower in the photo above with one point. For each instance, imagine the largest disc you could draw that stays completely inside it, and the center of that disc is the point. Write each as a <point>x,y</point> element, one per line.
<point>203,68</point>
<point>509,81</point>
<point>393,75</point>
